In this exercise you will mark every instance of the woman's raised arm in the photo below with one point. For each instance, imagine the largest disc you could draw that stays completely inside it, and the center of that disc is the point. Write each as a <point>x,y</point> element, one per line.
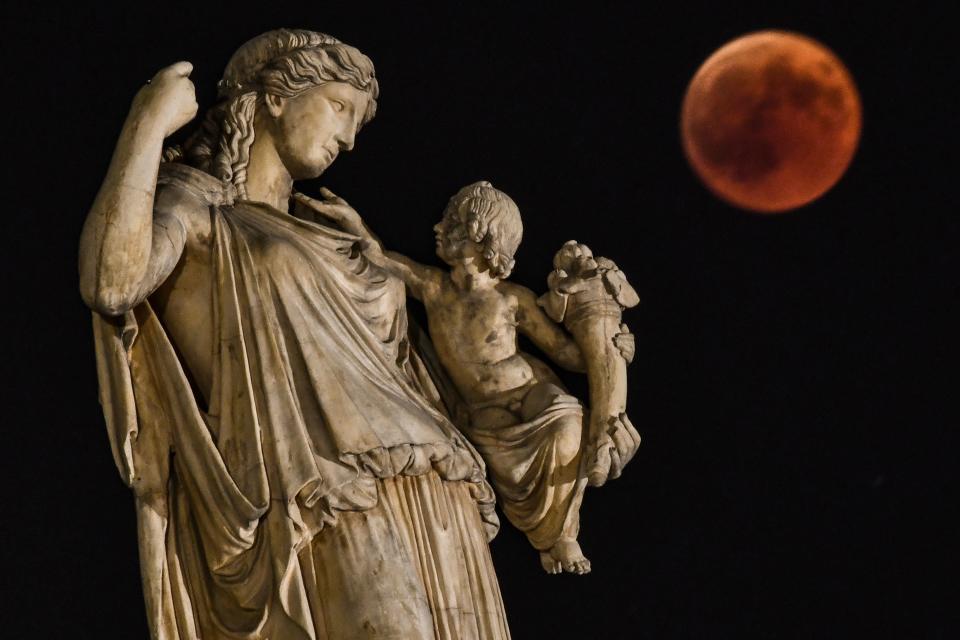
<point>117,248</point>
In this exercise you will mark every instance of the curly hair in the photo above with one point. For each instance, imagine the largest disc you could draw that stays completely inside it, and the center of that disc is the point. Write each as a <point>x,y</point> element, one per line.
<point>284,63</point>
<point>492,220</point>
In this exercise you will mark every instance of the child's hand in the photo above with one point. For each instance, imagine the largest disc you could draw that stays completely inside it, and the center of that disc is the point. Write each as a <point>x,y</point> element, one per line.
<point>625,343</point>
<point>612,446</point>
<point>334,208</point>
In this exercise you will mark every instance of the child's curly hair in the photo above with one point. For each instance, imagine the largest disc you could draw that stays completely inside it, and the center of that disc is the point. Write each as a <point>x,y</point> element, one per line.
<point>492,220</point>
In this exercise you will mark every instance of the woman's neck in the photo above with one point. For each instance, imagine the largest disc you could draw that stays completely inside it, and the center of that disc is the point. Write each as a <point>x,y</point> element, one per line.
<point>268,180</point>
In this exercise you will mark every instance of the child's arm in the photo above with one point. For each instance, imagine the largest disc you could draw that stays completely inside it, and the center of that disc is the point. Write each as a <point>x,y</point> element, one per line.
<point>420,279</point>
<point>544,332</point>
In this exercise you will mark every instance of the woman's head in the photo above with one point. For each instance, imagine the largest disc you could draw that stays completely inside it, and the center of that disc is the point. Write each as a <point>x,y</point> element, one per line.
<point>287,73</point>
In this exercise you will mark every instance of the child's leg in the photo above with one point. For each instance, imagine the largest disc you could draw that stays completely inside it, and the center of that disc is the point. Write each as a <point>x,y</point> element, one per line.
<point>561,480</point>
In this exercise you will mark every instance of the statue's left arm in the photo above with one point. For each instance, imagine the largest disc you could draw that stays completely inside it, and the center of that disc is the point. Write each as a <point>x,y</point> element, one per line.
<point>549,337</point>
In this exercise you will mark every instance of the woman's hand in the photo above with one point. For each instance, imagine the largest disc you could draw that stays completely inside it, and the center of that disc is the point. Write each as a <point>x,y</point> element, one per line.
<point>169,100</point>
<point>335,209</point>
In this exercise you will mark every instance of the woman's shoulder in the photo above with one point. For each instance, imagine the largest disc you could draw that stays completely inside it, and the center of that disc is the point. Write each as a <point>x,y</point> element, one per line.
<point>186,194</point>
<point>192,183</point>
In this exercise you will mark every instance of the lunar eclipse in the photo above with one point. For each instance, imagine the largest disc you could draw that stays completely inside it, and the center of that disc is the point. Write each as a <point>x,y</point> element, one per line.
<point>770,121</point>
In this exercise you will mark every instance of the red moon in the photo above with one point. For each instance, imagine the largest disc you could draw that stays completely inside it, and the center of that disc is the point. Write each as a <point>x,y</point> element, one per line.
<point>771,121</point>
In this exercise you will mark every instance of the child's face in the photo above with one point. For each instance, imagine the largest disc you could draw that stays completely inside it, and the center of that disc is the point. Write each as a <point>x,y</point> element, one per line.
<point>452,237</point>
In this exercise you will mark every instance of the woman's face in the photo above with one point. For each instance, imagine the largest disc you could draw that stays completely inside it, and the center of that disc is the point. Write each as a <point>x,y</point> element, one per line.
<point>312,128</point>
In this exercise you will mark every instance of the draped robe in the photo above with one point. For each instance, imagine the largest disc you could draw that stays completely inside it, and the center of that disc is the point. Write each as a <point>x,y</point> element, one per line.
<point>322,491</point>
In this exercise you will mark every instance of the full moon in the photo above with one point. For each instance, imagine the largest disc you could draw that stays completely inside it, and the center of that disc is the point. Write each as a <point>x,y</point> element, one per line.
<point>771,121</point>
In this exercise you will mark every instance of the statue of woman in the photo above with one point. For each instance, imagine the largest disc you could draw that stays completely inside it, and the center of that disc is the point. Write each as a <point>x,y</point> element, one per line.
<point>295,472</point>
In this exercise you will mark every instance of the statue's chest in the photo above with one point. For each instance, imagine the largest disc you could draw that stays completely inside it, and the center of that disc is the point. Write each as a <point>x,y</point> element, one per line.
<point>277,256</point>
<point>475,324</point>
<point>324,281</point>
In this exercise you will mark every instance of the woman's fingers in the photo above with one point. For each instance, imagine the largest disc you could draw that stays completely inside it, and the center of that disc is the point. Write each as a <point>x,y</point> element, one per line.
<point>330,195</point>
<point>313,203</point>
<point>304,198</point>
<point>325,209</point>
<point>331,198</point>
<point>182,68</point>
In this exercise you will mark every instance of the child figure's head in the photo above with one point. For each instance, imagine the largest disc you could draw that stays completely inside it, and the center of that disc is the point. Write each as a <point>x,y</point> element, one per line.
<point>480,221</point>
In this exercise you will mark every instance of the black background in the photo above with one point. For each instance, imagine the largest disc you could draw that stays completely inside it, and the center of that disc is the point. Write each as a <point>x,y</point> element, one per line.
<point>796,478</point>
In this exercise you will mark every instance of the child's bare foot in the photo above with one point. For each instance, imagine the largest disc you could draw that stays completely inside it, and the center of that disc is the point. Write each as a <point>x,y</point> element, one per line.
<point>565,554</point>
<point>549,564</point>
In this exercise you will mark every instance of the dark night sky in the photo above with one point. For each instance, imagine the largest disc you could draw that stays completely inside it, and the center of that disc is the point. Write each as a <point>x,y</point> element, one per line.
<point>794,377</point>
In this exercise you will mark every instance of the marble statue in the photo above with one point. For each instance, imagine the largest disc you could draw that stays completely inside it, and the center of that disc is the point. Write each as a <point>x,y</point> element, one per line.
<point>305,462</point>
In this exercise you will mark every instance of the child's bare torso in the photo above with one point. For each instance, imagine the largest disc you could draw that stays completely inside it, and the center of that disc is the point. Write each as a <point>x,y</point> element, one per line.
<point>475,335</point>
